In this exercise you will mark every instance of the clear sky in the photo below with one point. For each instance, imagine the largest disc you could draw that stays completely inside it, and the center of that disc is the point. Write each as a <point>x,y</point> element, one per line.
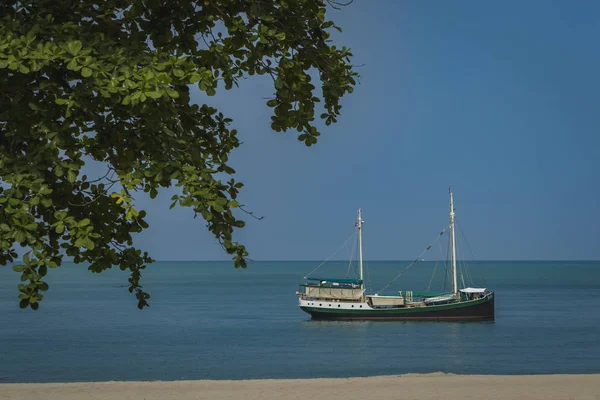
<point>499,99</point>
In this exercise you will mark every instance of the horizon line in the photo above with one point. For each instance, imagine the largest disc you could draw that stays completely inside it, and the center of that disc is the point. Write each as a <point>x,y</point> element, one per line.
<point>355,261</point>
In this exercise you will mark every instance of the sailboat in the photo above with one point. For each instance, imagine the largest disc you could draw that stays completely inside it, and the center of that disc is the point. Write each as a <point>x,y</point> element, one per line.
<point>346,299</point>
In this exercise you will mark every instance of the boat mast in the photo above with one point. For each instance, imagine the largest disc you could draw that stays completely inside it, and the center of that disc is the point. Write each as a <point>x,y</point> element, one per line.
<point>359,223</point>
<point>453,243</point>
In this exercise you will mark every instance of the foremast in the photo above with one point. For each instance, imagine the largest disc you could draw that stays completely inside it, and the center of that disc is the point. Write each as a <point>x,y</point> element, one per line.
<point>359,223</point>
<point>453,244</point>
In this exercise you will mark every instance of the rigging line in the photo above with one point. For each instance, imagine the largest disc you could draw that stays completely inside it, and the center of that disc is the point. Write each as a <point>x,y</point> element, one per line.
<point>467,272</point>
<point>462,276</point>
<point>328,258</point>
<point>470,274</point>
<point>464,269</point>
<point>432,275</point>
<point>445,258</point>
<point>472,255</point>
<point>369,287</point>
<point>446,266</point>
<point>351,255</point>
<point>465,239</point>
<point>460,264</point>
<point>416,259</point>
<point>348,254</point>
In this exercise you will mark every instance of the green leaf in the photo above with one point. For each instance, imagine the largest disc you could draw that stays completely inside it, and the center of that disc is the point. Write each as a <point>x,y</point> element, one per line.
<point>272,103</point>
<point>31,227</point>
<point>156,94</point>
<point>71,176</point>
<point>217,207</point>
<point>86,72</point>
<point>84,222</point>
<point>172,93</point>
<point>72,65</point>
<point>20,236</point>
<point>20,268</point>
<point>74,47</point>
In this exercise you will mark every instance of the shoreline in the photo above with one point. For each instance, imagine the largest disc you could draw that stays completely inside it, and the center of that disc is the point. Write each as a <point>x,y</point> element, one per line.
<point>407,386</point>
<point>404,375</point>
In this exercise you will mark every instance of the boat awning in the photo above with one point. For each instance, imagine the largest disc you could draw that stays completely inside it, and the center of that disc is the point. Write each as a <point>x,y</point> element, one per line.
<point>473,290</point>
<point>409,293</point>
<point>357,281</point>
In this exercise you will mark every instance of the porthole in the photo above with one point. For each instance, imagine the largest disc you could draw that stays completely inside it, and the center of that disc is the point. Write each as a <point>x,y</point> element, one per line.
<point>361,306</point>
<point>339,306</point>
<point>330,305</point>
<point>320,305</point>
<point>352,305</point>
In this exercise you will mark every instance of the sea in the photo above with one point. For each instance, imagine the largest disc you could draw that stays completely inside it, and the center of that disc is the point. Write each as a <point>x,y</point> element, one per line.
<point>208,320</point>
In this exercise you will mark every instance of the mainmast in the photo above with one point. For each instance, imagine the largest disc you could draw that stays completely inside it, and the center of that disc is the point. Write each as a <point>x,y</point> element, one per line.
<point>359,223</point>
<point>453,243</point>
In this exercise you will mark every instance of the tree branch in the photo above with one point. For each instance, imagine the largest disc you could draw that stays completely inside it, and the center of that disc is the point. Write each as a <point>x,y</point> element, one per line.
<point>250,213</point>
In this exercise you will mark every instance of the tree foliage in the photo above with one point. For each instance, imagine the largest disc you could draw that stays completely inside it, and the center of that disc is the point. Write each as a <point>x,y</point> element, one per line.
<point>110,81</point>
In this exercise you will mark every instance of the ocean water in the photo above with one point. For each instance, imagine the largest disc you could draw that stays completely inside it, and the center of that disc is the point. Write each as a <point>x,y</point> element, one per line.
<point>208,320</point>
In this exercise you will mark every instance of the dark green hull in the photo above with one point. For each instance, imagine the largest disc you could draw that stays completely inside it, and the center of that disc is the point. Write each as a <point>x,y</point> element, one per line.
<point>481,309</point>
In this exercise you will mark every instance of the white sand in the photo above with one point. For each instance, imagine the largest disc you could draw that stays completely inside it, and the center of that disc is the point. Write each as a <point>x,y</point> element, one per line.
<point>436,386</point>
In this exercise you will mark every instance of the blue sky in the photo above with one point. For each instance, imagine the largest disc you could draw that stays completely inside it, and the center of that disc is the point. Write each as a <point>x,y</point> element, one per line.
<point>498,99</point>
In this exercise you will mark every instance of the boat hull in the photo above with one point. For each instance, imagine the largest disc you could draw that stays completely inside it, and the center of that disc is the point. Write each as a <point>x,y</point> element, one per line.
<point>481,309</point>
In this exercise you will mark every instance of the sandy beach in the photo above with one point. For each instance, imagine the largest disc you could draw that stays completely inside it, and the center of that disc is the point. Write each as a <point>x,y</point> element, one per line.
<point>412,386</point>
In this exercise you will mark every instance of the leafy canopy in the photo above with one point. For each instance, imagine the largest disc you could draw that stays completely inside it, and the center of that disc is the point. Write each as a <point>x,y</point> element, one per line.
<point>109,81</point>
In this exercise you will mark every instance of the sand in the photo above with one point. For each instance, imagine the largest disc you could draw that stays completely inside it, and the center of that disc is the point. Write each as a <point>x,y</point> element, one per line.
<point>436,386</point>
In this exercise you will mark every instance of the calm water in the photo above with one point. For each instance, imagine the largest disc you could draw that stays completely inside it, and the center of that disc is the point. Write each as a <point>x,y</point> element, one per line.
<point>210,321</point>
